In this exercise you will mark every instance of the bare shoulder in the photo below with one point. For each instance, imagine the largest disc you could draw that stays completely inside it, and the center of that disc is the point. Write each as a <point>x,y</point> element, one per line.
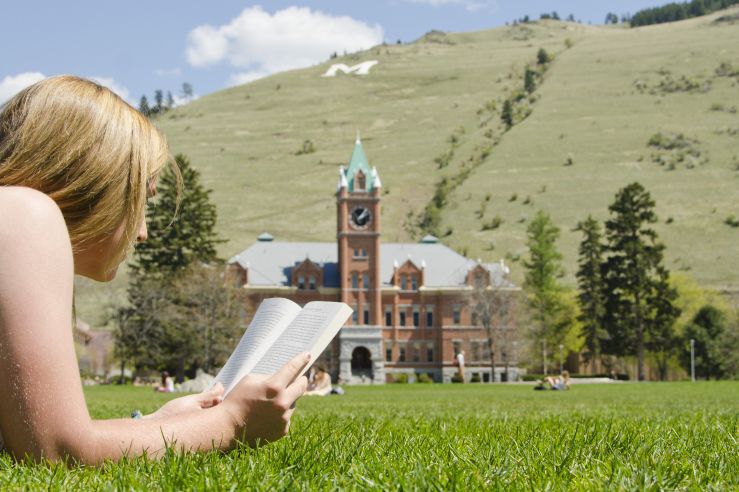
<point>31,223</point>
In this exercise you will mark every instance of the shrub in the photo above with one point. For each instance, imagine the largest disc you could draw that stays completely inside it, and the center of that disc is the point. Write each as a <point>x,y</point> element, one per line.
<point>493,223</point>
<point>732,221</point>
<point>422,377</point>
<point>307,148</point>
<point>400,378</point>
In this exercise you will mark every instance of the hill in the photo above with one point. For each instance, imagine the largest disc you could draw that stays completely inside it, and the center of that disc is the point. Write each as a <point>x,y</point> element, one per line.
<point>431,109</point>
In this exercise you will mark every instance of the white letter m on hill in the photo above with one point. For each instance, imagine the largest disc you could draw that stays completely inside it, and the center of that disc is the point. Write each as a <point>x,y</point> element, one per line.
<point>358,69</point>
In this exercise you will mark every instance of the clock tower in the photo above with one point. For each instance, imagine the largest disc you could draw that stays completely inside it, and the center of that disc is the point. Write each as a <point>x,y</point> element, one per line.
<point>361,347</point>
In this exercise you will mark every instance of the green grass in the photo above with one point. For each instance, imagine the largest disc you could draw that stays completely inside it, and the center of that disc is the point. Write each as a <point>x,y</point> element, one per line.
<point>418,437</point>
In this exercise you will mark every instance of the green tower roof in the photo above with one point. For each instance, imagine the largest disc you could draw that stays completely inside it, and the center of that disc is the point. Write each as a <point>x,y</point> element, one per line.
<point>358,163</point>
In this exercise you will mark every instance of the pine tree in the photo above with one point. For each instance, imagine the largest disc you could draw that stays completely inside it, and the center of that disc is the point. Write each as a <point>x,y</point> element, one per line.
<point>170,100</point>
<point>636,281</point>
<point>186,91</point>
<point>590,282</point>
<point>174,243</point>
<point>542,57</point>
<point>506,114</point>
<point>529,80</point>
<point>144,106</point>
<point>541,283</point>
<point>158,101</point>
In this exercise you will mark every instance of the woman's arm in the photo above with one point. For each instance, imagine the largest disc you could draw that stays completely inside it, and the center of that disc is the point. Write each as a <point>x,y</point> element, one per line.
<point>42,407</point>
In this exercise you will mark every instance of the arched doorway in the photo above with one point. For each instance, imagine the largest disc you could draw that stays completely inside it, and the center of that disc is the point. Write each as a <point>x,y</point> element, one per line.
<point>362,363</point>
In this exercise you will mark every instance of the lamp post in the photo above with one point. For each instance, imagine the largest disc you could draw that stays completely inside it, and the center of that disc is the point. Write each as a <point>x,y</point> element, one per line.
<point>561,363</point>
<point>692,360</point>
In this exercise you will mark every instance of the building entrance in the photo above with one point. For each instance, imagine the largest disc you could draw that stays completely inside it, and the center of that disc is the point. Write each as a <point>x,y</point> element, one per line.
<point>362,363</point>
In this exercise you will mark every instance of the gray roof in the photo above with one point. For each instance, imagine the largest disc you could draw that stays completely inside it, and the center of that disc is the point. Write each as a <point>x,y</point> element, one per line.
<point>271,263</point>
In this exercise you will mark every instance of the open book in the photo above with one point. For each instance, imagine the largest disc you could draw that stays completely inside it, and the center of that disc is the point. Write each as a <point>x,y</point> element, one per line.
<point>279,331</point>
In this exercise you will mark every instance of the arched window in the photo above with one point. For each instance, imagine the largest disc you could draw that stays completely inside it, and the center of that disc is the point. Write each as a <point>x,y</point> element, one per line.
<point>361,181</point>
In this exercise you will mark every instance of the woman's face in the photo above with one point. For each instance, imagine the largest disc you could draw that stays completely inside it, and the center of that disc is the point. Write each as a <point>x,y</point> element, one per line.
<point>101,258</point>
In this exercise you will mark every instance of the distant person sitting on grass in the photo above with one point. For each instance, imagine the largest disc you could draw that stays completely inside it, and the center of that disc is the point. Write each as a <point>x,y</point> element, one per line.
<point>77,164</point>
<point>167,385</point>
<point>320,383</point>
<point>560,383</point>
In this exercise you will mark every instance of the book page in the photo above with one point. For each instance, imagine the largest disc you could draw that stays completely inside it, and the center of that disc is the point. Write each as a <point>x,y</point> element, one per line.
<point>270,320</point>
<point>311,331</point>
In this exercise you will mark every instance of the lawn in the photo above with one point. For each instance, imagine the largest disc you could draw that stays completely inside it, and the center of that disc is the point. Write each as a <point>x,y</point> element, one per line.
<point>625,436</point>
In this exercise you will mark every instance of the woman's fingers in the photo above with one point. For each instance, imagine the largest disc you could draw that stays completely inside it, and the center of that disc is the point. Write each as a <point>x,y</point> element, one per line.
<point>290,371</point>
<point>211,397</point>
<point>296,390</point>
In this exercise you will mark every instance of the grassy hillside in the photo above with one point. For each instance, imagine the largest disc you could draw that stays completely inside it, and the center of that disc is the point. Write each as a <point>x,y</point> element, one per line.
<point>606,93</point>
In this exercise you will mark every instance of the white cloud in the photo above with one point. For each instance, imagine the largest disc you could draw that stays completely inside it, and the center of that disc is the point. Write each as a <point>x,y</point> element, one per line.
<point>470,5</point>
<point>13,84</point>
<point>264,43</point>
<point>115,87</point>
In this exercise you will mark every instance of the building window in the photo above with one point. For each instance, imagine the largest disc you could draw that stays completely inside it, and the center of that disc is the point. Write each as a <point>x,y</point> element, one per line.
<point>456,314</point>
<point>429,316</point>
<point>430,352</point>
<point>356,253</point>
<point>355,315</point>
<point>401,353</point>
<point>388,316</point>
<point>364,253</point>
<point>475,349</point>
<point>355,280</point>
<point>365,281</point>
<point>416,353</point>
<point>312,282</point>
<point>366,315</point>
<point>404,282</point>
<point>388,354</point>
<point>414,283</point>
<point>361,181</point>
<point>301,282</point>
<point>456,347</point>
<point>416,316</point>
<point>402,317</point>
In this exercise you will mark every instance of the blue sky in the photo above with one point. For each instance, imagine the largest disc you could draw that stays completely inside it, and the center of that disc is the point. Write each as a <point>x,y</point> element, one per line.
<point>137,47</point>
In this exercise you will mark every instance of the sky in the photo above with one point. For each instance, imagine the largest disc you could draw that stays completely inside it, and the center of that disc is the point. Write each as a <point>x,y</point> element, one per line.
<point>136,47</point>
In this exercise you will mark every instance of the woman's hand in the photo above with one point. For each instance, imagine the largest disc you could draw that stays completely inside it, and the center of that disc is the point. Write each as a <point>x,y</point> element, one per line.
<point>261,406</point>
<point>206,399</point>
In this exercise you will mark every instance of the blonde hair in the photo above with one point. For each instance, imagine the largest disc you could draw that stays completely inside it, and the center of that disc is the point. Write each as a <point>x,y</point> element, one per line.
<point>87,149</point>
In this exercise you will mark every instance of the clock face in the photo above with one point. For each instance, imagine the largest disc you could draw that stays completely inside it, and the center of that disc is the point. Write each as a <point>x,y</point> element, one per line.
<point>360,217</point>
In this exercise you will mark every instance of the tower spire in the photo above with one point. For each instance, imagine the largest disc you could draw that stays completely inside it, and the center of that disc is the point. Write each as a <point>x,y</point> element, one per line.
<point>359,140</point>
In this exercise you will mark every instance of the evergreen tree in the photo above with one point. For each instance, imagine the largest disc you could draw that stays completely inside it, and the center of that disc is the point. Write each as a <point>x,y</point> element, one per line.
<point>173,245</point>
<point>546,301</point>
<point>186,91</point>
<point>144,106</point>
<point>506,115</point>
<point>170,100</point>
<point>158,101</point>
<point>590,282</point>
<point>542,57</point>
<point>636,280</point>
<point>529,80</point>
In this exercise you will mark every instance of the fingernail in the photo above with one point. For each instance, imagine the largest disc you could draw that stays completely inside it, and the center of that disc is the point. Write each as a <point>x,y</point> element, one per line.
<point>306,355</point>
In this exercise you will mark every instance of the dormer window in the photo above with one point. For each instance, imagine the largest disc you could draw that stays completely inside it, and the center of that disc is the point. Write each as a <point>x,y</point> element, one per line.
<point>414,283</point>
<point>312,282</point>
<point>361,181</point>
<point>301,282</point>
<point>403,282</point>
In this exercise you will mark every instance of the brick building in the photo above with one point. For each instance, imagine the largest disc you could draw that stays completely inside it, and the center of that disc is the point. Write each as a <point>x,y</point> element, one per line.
<point>411,301</point>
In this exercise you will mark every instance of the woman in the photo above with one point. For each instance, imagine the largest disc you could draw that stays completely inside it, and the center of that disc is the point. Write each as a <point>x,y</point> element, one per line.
<point>76,166</point>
